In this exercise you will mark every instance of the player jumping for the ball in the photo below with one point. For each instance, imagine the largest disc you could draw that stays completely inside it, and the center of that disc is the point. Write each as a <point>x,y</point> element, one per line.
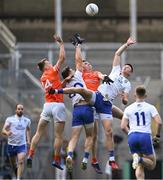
<point>107,92</point>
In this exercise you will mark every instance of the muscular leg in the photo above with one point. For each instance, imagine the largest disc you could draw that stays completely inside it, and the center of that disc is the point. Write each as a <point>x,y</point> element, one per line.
<point>71,146</point>
<point>88,145</point>
<point>13,164</point>
<point>149,162</point>
<point>89,140</point>
<point>74,138</point>
<point>107,124</point>
<point>94,162</point>
<point>21,157</point>
<point>117,112</point>
<point>59,128</point>
<point>94,143</point>
<point>139,172</point>
<point>85,93</point>
<point>39,132</point>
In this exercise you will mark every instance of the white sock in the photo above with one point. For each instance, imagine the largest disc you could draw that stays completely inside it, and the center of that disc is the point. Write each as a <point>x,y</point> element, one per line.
<point>85,160</point>
<point>112,158</point>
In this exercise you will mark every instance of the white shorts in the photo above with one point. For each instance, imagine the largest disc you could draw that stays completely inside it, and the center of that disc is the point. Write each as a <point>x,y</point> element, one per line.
<point>54,110</point>
<point>101,116</point>
<point>96,115</point>
<point>106,116</point>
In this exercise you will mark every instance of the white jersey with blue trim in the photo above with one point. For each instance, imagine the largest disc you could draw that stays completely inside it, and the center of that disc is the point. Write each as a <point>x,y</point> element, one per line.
<point>139,115</point>
<point>120,84</point>
<point>76,81</point>
<point>17,126</point>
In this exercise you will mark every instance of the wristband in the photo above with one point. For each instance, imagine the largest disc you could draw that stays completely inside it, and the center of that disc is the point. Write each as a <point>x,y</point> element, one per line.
<point>59,91</point>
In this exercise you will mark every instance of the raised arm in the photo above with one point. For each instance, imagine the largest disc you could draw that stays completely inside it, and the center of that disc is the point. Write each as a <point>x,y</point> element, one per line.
<point>116,60</point>
<point>101,76</point>
<point>61,57</point>
<point>78,58</point>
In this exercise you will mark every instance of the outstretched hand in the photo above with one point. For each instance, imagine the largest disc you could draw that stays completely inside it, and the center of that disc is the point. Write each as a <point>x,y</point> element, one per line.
<point>130,41</point>
<point>156,141</point>
<point>58,39</point>
<point>107,80</point>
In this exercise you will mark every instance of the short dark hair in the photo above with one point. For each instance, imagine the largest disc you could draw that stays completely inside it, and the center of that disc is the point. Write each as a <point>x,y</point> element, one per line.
<point>140,91</point>
<point>132,69</point>
<point>41,64</point>
<point>65,72</point>
<point>16,106</point>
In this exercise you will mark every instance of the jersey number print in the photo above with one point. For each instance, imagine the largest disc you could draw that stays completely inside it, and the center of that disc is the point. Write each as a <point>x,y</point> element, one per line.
<point>140,117</point>
<point>47,84</point>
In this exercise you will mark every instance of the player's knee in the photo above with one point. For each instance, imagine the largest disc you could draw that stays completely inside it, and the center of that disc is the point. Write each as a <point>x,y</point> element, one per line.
<point>89,140</point>
<point>108,132</point>
<point>94,137</point>
<point>58,136</point>
<point>20,162</point>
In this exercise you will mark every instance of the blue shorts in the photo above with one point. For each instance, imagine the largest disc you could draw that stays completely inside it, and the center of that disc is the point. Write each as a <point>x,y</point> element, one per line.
<point>140,143</point>
<point>82,115</point>
<point>104,107</point>
<point>14,150</point>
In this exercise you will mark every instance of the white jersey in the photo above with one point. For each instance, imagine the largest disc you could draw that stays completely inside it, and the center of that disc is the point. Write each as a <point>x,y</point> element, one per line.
<point>139,115</point>
<point>18,127</point>
<point>76,81</point>
<point>120,84</point>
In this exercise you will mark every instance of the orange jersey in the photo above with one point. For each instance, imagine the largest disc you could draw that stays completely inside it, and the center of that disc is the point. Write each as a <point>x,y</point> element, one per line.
<point>91,80</point>
<point>51,79</point>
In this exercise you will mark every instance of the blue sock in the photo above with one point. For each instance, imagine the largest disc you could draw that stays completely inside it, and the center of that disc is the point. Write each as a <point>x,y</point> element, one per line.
<point>111,155</point>
<point>70,153</point>
<point>86,155</point>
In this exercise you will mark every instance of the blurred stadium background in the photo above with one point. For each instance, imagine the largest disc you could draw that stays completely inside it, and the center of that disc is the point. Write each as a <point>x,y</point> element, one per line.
<point>26,30</point>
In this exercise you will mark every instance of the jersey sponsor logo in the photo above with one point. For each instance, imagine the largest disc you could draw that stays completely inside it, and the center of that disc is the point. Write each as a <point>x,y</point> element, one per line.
<point>19,127</point>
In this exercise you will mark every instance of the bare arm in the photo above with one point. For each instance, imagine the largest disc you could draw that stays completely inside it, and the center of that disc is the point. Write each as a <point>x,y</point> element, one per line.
<point>78,58</point>
<point>61,57</point>
<point>101,76</point>
<point>124,125</point>
<point>124,97</point>
<point>28,132</point>
<point>157,119</point>
<point>116,60</point>
<point>6,130</point>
